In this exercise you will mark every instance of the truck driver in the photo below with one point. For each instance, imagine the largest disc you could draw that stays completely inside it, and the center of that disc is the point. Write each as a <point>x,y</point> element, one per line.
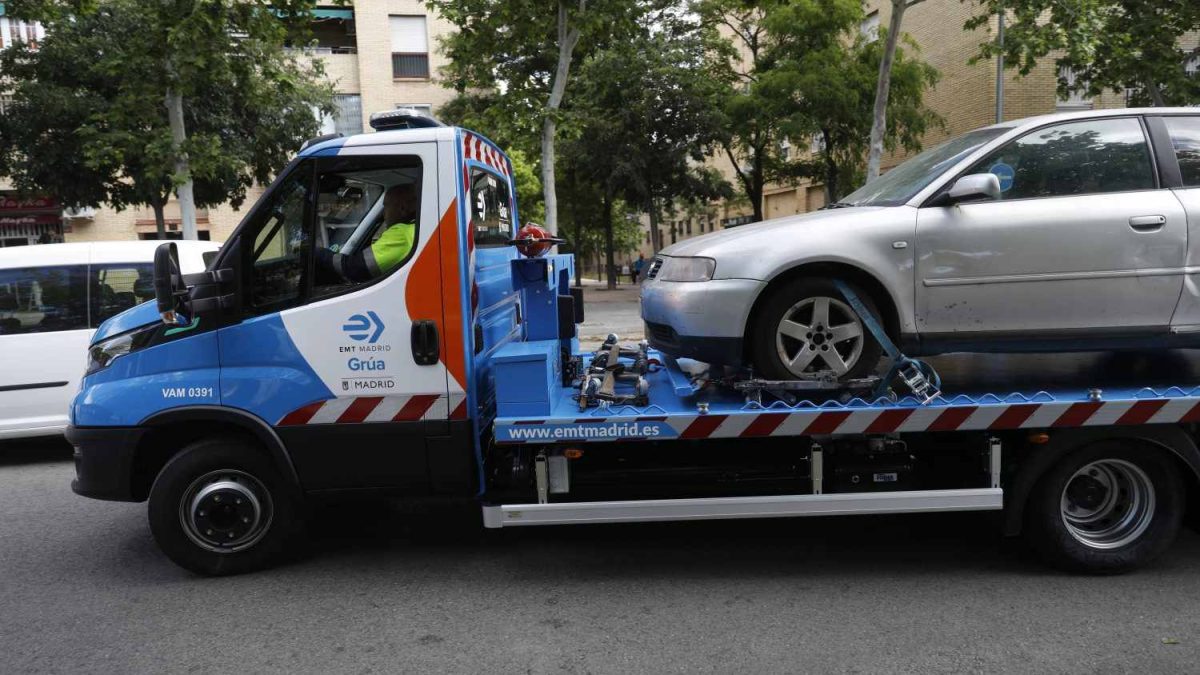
<point>391,248</point>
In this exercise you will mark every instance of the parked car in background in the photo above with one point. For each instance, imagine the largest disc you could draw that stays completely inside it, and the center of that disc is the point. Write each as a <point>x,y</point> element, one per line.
<point>1067,232</point>
<point>52,297</point>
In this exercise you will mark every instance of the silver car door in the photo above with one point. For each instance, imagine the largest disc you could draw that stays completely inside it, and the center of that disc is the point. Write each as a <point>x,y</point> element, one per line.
<point>1082,239</point>
<point>1184,137</point>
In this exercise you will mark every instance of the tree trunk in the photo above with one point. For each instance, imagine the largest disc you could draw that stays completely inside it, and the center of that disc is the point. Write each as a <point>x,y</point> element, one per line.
<point>187,203</point>
<point>160,220</point>
<point>567,39</point>
<point>882,89</point>
<point>1156,96</point>
<point>832,189</point>
<point>655,236</point>
<point>610,268</point>
<point>578,249</point>
<point>758,181</point>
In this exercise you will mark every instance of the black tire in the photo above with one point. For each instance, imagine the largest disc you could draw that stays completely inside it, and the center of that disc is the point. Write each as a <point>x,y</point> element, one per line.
<point>1049,534</point>
<point>764,352</point>
<point>272,514</point>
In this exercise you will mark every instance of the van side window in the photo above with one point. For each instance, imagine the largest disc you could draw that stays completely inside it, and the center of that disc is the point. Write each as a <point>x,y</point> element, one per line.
<point>118,287</point>
<point>1074,158</point>
<point>279,245</point>
<point>43,299</point>
<point>368,212</point>
<point>1185,137</point>
<point>491,218</point>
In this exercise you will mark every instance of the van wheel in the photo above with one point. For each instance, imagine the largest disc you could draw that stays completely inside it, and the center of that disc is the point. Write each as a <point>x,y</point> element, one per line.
<point>806,327</point>
<point>1106,508</point>
<point>220,507</point>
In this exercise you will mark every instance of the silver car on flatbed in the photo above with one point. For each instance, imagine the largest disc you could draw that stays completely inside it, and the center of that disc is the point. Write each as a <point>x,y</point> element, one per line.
<point>1067,232</point>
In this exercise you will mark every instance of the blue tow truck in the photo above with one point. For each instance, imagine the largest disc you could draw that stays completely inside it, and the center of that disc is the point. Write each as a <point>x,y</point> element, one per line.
<point>276,377</point>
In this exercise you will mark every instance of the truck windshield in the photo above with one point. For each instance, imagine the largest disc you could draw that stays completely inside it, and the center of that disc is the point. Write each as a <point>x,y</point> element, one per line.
<point>900,184</point>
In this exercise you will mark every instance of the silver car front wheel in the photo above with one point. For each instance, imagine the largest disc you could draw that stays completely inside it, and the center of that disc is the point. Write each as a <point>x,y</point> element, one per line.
<point>819,333</point>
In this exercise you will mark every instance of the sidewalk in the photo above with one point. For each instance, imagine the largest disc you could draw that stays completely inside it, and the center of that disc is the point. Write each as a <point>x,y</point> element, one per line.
<point>604,311</point>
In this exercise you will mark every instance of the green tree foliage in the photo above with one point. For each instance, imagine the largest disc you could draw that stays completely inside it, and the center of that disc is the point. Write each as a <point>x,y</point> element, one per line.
<point>801,72</point>
<point>645,122</point>
<point>831,92</point>
<point>529,188</point>
<point>1105,44</point>
<point>519,54</point>
<point>88,120</point>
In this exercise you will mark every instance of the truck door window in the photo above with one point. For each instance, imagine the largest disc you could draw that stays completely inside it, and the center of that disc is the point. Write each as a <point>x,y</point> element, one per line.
<point>368,219</point>
<point>43,299</point>
<point>491,218</point>
<point>280,242</point>
<point>1075,158</point>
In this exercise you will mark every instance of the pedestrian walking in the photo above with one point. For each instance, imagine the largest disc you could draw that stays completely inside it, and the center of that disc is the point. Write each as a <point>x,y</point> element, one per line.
<point>638,266</point>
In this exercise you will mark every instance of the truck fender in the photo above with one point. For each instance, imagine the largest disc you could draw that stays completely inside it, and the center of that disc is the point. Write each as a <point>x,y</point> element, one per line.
<point>233,417</point>
<point>1040,458</point>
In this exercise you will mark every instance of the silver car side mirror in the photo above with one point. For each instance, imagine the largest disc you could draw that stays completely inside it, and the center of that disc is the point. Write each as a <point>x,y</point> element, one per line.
<point>974,187</point>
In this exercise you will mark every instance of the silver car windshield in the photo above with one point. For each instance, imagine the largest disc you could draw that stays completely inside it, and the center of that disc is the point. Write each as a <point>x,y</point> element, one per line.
<point>901,183</point>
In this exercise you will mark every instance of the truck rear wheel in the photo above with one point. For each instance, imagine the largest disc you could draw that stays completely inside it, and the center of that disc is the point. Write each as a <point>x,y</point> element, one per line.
<point>1106,508</point>
<point>220,507</point>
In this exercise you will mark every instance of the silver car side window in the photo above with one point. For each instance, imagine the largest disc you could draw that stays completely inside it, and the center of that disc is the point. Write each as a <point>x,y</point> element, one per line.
<point>1185,138</point>
<point>1073,158</point>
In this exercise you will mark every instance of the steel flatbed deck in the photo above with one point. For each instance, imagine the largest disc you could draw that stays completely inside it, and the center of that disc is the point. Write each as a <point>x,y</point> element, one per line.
<point>980,392</point>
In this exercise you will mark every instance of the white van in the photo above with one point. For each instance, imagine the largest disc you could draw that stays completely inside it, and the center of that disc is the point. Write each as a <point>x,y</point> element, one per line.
<point>52,296</point>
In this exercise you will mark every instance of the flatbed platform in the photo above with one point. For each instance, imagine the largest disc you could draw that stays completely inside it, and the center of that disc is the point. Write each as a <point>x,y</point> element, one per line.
<point>980,392</point>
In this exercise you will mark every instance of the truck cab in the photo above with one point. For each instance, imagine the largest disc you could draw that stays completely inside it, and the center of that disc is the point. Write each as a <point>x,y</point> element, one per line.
<point>305,378</point>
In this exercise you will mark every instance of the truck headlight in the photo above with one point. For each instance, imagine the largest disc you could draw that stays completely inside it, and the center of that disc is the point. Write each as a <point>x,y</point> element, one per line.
<point>686,269</point>
<point>102,354</point>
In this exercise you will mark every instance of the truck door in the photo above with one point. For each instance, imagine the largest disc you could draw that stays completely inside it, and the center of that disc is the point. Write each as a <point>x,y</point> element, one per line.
<point>339,344</point>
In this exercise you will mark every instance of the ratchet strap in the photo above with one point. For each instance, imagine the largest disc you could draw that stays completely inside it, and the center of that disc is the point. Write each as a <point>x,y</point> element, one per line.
<point>920,377</point>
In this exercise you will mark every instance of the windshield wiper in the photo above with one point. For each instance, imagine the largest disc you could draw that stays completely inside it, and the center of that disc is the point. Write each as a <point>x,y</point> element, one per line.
<point>837,205</point>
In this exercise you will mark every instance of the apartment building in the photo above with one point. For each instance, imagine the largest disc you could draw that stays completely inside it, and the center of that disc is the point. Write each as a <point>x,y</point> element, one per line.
<point>379,54</point>
<point>965,97</point>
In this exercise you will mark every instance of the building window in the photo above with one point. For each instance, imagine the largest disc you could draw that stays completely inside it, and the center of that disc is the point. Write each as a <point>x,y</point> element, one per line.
<point>347,114</point>
<point>869,28</point>
<point>1076,100</point>
<point>419,108</point>
<point>410,47</point>
<point>688,227</point>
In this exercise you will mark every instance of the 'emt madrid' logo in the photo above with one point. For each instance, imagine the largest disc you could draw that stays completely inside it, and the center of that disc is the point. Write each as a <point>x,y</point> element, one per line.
<point>360,327</point>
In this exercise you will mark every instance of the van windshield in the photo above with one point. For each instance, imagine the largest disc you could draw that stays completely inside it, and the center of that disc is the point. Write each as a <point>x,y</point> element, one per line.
<point>903,182</point>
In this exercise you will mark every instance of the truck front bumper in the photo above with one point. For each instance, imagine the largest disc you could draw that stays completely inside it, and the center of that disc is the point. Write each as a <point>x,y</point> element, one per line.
<point>104,462</point>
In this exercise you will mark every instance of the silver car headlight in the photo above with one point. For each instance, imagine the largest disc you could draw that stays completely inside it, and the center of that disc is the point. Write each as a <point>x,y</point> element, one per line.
<point>686,269</point>
<point>102,354</point>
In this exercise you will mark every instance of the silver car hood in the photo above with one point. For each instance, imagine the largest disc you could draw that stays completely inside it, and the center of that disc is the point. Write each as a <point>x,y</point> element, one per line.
<point>753,237</point>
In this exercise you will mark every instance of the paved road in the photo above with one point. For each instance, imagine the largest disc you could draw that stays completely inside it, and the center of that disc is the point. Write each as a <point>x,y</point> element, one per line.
<point>616,311</point>
<point>83,589</point>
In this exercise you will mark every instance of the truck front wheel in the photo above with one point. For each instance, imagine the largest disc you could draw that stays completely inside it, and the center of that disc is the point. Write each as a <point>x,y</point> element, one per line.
<point>1106,508</point>
<point>220,507</point>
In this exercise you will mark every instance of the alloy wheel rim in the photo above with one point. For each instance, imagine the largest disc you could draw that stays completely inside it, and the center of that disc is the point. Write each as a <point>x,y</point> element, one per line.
<point>226,511</point>
<point>1108,504</point>
<point>817,334</point>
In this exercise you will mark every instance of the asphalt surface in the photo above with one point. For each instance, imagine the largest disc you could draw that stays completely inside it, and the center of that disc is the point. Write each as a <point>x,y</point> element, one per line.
<point>610,311</point>
<point>83,589</point>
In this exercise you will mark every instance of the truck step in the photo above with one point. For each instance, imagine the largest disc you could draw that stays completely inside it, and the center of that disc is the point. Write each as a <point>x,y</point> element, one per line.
<point>781,506</point>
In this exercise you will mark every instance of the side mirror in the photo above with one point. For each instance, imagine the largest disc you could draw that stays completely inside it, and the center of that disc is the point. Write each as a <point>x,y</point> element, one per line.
<point>974,187</point>
<point>170,291</point>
